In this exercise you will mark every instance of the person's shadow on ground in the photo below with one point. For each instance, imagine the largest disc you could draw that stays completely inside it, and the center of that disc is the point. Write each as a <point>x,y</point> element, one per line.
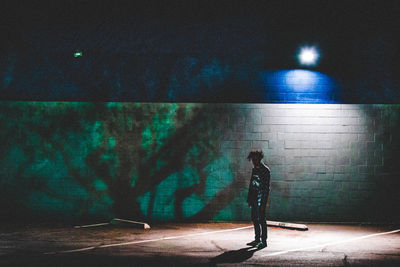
<point>234,256</point>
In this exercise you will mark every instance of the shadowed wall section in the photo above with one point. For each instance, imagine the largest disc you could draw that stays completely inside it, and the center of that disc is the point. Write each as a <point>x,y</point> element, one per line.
<point>179,162</point>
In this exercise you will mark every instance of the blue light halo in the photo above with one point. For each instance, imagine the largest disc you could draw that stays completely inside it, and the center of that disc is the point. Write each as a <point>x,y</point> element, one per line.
<point>308,56</point>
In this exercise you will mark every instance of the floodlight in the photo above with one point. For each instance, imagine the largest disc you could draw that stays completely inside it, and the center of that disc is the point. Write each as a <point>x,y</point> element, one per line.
<point>308,56</point>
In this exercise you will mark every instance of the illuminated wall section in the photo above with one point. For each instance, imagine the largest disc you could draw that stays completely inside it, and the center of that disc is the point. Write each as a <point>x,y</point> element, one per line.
<point>298,86</point>
<point>179,162</point>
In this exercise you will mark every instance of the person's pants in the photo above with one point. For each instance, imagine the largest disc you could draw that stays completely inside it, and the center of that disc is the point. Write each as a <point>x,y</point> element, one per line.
<point>259,221</point>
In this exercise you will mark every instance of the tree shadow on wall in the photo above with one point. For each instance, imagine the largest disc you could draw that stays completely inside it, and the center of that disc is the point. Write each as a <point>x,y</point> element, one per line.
<point>192,140</point>
<point>110,155</point>
<point>234,256</point>
<point>42,144</point>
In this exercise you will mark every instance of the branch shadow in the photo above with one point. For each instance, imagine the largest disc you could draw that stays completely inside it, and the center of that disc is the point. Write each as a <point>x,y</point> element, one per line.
<point>234,256</point>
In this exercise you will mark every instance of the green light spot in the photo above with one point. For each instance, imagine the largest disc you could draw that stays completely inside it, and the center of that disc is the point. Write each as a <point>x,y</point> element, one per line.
<point>134,178</point>
<point>99,185</point>
<point>111,142</point>
<point>147,138</point>
<point>77,54</point>
<point>96,137</point>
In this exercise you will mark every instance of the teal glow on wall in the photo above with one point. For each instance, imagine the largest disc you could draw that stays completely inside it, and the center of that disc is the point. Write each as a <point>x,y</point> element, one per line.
<point>82,160</point>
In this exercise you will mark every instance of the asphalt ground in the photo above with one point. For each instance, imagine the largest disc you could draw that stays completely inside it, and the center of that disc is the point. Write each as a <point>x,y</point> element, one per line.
<point>198,244</point>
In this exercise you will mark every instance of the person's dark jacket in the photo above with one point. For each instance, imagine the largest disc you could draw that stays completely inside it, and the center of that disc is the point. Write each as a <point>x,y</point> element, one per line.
<point>259,185</point>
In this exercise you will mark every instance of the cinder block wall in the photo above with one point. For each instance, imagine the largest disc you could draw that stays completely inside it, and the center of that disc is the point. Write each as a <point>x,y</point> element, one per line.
<point>328,162</point>
<point>92,161</point>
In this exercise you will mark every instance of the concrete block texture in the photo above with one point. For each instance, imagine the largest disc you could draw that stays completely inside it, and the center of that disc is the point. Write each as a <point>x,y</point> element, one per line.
<point>187,162</point>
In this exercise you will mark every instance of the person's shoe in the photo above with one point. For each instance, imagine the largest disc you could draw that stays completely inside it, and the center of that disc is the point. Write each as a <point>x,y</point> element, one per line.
<point>262,245</point>
<point>253,243</point>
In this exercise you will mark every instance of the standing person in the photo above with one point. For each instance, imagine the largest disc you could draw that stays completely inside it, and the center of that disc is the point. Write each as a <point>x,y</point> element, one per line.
<point>257,198</point>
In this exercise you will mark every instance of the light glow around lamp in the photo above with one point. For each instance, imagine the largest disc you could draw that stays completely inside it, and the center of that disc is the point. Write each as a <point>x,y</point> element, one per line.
<point>298,86</point>
<point>308,56</point>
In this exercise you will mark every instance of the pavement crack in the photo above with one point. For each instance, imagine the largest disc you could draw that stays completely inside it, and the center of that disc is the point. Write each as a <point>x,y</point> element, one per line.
<point>216,245</point>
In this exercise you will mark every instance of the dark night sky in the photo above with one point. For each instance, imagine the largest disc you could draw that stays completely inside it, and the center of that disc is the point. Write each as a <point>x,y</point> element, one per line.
<point>356,38</point>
